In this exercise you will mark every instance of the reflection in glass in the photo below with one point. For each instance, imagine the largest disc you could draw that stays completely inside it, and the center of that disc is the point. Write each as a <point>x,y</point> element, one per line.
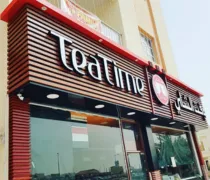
<point>130,136</point>
<point>137,166</point>
<point>75,147</point>
<point>174,153</point>
<point>134,149</point>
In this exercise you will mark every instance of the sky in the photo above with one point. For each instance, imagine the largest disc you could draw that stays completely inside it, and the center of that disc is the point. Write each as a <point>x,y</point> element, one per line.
<point>188,26</point>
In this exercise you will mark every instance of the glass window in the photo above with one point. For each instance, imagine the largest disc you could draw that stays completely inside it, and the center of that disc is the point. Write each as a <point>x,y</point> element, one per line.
<point>148,47</point>
<point>136,161</point>
<point>71,145</point>
<point>175,155</point>
<point>130,136</point>
<point>134,150</point>
<point>110,33</point>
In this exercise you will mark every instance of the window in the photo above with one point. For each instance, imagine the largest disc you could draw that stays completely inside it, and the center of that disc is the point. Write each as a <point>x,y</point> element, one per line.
<point>175,154</point>
<point>111,33</point>
<point>69,145</point>
<point>148,47</point>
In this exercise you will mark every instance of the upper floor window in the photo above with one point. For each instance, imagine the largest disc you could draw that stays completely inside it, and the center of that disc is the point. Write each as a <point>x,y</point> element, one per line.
<point>148,47</point>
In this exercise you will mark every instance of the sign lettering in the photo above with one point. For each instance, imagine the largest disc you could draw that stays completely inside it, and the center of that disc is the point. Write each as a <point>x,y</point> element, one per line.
<point>184,102</point>
<point>122,79</point>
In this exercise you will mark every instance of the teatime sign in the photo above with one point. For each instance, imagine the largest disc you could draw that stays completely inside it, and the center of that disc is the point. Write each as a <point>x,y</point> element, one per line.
<point>121,78</point>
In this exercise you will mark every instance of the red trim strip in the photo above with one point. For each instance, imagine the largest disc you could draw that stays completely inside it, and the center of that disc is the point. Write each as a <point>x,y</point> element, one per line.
<point>14,7</point>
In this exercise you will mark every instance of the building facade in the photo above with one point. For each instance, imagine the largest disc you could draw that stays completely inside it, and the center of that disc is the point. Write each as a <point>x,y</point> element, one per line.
<point>90,91</point>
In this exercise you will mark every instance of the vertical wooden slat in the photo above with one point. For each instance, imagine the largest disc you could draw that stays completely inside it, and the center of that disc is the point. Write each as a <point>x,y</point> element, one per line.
<point>19,139</point>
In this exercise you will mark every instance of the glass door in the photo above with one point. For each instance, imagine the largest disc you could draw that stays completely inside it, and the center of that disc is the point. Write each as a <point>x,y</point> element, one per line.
<point>134,150</point>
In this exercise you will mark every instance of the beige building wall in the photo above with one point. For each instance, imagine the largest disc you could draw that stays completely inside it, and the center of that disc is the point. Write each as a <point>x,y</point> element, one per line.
<point>119,15</point>
<point>150,19</point>
<point>129,18</point>
<point>204,142</point>
<point>145,26</point>
<point>131,36</point>
<point>163,38</point>
<point>3,98</point>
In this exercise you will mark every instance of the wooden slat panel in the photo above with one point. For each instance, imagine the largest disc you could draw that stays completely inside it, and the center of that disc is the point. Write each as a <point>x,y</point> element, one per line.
<point>45,65</point>
<point>186,116</point>
<point>19,113</point>
<point>18,69</point>
<point>19,142</point>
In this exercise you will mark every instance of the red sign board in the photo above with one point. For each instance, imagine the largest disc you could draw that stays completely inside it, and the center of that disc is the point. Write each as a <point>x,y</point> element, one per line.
<point>160,89</point>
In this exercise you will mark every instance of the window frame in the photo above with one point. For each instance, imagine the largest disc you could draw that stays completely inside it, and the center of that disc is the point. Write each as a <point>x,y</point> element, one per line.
<point>153,57</point>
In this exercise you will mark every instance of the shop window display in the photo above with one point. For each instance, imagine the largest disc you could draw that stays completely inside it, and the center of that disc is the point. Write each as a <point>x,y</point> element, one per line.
<point>68,145</point>
<point>175,155</point>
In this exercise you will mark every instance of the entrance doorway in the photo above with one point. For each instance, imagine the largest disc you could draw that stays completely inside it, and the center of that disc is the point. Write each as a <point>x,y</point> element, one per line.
<point>134,150</point>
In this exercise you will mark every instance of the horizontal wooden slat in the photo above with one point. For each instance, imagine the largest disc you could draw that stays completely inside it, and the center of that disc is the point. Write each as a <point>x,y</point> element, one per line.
<point>186,116</point>
<point>19,141</point>
<point>46,68</point>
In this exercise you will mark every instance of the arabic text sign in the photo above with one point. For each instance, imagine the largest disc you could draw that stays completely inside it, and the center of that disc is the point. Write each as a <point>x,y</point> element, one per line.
<point>81,14</point>
<point>183,102</point>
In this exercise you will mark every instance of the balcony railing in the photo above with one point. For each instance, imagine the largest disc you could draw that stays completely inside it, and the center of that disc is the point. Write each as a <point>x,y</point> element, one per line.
<point>106,30</point>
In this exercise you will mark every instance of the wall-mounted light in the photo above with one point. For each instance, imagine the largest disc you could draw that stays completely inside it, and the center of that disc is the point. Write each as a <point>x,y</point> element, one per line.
<point>20,96</point>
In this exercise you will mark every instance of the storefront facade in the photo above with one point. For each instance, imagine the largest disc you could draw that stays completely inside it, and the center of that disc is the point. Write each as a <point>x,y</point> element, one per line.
<point>81,107</point>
